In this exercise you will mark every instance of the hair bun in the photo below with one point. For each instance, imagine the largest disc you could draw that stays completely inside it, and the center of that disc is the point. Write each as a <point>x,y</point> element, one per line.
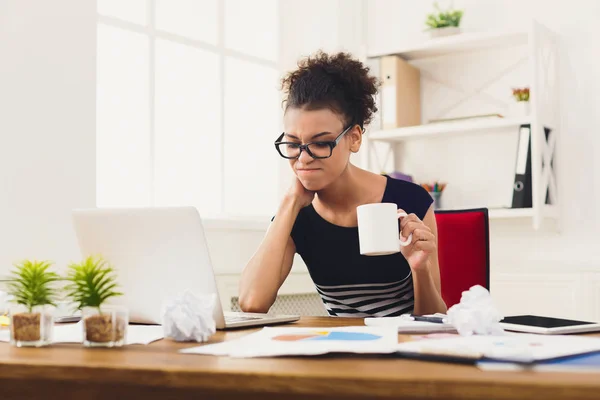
<point>334,81</point>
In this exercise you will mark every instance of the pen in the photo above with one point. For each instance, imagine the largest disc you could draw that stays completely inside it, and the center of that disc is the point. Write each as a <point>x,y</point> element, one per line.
<point>437,320</point>
<point>435,187</point>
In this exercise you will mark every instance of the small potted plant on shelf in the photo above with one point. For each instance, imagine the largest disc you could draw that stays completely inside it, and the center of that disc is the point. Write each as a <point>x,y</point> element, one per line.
<point>91,283</point>
<point>521,95</point>
<point>32,287</point>
<point>443,23</point>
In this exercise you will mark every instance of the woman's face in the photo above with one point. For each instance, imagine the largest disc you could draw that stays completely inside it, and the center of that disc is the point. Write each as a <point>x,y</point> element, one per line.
<point>303,126</point>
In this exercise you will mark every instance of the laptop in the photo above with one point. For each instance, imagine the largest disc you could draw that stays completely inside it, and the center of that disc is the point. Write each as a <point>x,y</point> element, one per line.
<point>157,253</point>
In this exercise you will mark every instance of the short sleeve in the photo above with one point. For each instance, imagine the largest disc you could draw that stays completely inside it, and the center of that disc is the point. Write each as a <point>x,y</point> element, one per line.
<point>423,201</point>
<point>409,196</point>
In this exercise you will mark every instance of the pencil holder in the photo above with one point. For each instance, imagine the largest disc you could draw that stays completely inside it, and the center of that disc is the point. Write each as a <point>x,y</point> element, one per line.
<point>437,200</point>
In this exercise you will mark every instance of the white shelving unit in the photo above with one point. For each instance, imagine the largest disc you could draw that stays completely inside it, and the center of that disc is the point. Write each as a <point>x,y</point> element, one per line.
<point>542,60</point>
<point>505,213</point>
<point>465,42</point>
<point>446,128</point>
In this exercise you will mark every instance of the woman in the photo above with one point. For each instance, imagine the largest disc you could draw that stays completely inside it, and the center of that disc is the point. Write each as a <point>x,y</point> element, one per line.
<point>329,100</point>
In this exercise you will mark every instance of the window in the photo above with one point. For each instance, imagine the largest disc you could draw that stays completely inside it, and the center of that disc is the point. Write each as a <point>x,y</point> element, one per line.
<point>188,105</point>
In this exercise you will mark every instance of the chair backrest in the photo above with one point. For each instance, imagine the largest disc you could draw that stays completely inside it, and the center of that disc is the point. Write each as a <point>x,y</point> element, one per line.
<point>463,251</point>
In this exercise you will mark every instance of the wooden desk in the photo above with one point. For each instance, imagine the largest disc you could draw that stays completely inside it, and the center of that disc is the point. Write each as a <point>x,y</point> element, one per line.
<point>157,371</point>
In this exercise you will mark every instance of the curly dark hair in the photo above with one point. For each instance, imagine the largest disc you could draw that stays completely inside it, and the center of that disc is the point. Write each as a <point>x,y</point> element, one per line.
<point>336,82</point>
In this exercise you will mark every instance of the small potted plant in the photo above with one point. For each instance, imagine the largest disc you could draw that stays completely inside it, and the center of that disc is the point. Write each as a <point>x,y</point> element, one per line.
<point>91,283</point>
<point>443,23</point>
<point>31,286</point>
<point>521,95</point>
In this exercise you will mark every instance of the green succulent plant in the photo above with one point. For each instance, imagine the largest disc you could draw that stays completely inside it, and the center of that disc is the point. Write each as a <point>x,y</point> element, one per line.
<point>91,282</point>
<point>32,284</point>
<point>443,19</point>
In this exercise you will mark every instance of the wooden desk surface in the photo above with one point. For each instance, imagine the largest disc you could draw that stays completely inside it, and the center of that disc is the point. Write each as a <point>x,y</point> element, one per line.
<point>158,371</point>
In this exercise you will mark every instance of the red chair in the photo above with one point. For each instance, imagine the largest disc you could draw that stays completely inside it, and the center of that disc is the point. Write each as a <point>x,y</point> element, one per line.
<point>463,251</point>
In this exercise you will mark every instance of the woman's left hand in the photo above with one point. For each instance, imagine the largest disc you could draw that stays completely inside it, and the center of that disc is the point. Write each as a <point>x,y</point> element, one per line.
<point>423,242</point>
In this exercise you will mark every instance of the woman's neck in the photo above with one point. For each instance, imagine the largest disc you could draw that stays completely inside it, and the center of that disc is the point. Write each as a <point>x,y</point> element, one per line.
<point>344,192</point>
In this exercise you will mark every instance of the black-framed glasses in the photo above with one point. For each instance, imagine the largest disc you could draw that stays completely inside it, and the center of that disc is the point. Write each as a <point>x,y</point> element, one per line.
<point>291,150</point>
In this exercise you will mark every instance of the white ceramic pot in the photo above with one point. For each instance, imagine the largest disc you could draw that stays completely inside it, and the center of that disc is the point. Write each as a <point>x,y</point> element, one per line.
<point>447,31</point>
<point>521,109</point>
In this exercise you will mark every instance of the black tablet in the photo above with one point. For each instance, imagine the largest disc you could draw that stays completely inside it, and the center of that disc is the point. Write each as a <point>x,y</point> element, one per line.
<point>547,325</point>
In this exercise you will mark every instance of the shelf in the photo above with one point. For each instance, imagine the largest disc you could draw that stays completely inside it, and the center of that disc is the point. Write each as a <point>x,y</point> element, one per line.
<point>445,128</point>
<point>506,213</point>
<point>461,43</point>
<point>548,211</point>
<point>535,60</point>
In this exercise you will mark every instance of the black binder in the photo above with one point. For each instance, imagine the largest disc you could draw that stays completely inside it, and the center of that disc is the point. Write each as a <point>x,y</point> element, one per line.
<point>522,187</point>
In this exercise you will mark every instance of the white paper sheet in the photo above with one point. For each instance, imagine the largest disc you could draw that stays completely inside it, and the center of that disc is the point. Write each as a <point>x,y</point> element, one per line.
<point>406,326</point>
<point>73,333</point>
<point>512,347</point>
<point>274,341</point>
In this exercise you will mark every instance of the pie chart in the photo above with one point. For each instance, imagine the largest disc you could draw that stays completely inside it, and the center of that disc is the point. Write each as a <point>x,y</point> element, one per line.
<point>326,335</point>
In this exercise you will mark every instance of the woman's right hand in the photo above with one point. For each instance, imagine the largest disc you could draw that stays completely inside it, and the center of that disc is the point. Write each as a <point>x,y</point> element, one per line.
<point>299,193</point>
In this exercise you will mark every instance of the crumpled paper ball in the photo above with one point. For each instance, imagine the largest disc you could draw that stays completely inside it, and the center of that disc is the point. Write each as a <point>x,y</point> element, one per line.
<point>189,317</point>
<point>476,313</point>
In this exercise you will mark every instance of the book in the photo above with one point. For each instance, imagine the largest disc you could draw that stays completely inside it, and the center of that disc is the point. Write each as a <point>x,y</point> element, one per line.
<point>577,363</point>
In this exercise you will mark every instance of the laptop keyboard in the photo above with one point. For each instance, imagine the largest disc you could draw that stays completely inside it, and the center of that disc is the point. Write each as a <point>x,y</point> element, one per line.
<point>237,318</point>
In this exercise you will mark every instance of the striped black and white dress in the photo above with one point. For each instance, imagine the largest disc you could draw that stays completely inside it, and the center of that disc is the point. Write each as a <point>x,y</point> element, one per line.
<point>352,285</point>
<point>369,299</point>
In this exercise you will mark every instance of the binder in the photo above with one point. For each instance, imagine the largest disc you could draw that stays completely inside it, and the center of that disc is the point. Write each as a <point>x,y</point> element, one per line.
<point>522,187</point>
<point>400,93</point>
<point>547,132</point>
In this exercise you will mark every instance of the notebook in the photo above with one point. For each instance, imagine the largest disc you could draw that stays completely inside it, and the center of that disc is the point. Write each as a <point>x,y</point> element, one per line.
<point>578,363</point>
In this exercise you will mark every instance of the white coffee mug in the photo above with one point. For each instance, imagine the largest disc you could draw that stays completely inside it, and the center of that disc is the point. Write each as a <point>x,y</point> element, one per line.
<point>378,233</point>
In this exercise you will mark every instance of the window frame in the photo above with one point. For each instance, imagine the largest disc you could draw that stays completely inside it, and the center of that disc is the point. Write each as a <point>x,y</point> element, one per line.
<point>153,34</point>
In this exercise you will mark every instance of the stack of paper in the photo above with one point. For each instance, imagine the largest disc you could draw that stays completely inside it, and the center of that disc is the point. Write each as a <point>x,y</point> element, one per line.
<point>289,341</point>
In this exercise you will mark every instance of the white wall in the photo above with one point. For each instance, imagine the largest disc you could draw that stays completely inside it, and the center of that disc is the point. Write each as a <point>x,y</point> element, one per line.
<point>544,271</point>
<point>47,126</point>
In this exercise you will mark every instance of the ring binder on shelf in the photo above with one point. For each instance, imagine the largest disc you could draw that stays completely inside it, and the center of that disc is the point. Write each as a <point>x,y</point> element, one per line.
<point>522,187</point>
<point>522,193</point>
